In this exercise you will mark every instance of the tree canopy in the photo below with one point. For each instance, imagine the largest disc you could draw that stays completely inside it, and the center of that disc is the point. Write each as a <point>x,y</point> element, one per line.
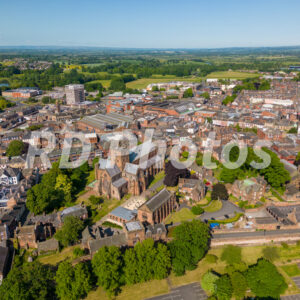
<point>70,231</point>
<point>265,281</point>
<point>107,265</point>
<point>29,281</point>
<point>73,282</point>
<point>189,245</point>
<point>15,148</point>
<point>219,192</point>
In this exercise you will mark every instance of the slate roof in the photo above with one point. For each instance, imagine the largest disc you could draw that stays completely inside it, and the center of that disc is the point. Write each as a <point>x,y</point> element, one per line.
<point>48,245</point>
<point>123,213</point>
<point>115,240</point>
<point>131,168</point>
<point>76,211</point>
<point>119,183</point>
<point>157,200</point>
<point>133,226</point>
<point>105,164</point>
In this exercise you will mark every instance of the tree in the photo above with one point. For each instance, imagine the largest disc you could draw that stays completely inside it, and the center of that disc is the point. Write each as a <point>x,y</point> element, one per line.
<point>223,288</point>
<point>197,210</point>
<point>293,130</point>
<point>270,253</point>
<point>29,281</point>
<point>95,200</point>
<point>131,267</point>
<point>64,184</point>
<point>107,265</point>
<point>219,192</point>
<point>70,231</point>
<point>162,262</point>
<point>188,93</point>
<point>173,174</point>
<point>15,148</point>
<point>117,84</point>
<point>208,281</point>
<point>189,245</point>
<point>5,103</point>
<point>231,254</point>
<point>239,285</point>
<point>206,95</point>
<point>42,198</point>
<point>264,280</point>
<point>72,282</point>
<point>146,261</point>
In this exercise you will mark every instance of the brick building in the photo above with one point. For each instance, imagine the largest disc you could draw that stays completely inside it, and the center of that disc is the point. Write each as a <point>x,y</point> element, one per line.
<point>156,209</point>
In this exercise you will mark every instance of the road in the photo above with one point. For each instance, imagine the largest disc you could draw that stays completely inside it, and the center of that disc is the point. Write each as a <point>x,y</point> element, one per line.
<point>255,233</point>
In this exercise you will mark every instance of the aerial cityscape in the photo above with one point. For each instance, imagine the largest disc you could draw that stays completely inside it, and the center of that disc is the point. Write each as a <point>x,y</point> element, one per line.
<point>150,150</point>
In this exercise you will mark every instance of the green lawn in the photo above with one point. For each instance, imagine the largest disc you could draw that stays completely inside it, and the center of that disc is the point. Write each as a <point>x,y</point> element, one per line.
<point>291,270</point>
<point>143,82</point>
<point>157,178</point>
<point>231,75</point>
<point>55,258</point>
<point>134,292</point>
<point>183,215</point>
<point>215,205</point>
<point>105,83</point>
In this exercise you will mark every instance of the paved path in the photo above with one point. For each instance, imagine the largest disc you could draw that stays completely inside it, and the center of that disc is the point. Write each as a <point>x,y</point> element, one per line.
<point>187,292</point>
<point>291,297</point>
<point>297,281</point>
<point>156,185</point>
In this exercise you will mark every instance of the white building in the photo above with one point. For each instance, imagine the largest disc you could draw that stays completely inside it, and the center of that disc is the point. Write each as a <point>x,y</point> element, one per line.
<point>74,93</point>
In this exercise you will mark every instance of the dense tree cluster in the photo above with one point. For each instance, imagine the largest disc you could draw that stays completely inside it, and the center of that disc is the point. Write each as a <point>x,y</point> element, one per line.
<point>57,188</point>
<point>149,260</point>
<point>29,281</point>
<point>262,278</point>
<point>173,174</point>
<point>16,148</point>
<point>190,244</point>
<point>144,262</point>
<point>275,174</point>
<point>219,192</point>
<point>73,282</point>
<point>5,104</point>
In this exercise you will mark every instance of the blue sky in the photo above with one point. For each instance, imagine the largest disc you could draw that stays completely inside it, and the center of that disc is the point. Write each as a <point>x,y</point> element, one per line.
<point>150,24</point>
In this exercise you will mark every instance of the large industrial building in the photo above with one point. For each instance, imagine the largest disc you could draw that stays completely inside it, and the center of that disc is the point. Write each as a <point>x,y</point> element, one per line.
<point>24,92</point>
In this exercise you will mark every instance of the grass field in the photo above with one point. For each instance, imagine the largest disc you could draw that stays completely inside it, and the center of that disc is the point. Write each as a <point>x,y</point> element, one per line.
<point>143,82</point>
<point>213,206</point>
<point>231,75</point>
<point>180,216</point>
<point>55,258</point>
<point>105,83</point>
<point>135,292</point>
<point>291,270</point>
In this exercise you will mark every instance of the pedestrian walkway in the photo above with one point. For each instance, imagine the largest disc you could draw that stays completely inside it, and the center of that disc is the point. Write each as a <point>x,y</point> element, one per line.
<point>187,292</point>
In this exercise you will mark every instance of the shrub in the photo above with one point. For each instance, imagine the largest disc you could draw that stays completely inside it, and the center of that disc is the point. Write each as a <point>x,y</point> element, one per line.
<point>197,210</point>
<point>284,245</point>
<point>208,281</point>
<point>78,252</point>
